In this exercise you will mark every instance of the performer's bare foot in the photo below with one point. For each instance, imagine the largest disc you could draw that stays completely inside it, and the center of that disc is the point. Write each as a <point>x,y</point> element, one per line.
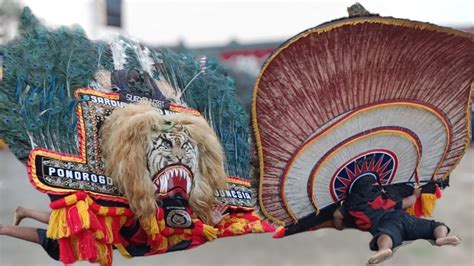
<point>380,256</point>
<point>448,240</point>
<point>19,215</point>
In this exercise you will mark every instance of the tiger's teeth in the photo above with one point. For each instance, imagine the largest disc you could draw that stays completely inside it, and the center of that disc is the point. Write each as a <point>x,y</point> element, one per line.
<point>188,185</point>
<point>185,176</point>
<point>165,187</point>
<point>162,184</point>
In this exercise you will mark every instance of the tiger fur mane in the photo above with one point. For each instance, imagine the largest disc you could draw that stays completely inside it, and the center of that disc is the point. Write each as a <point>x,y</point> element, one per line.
<point>126,135</point>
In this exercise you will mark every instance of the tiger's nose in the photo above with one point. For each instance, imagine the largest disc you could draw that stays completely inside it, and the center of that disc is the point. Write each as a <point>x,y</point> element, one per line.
<point>180,158</point>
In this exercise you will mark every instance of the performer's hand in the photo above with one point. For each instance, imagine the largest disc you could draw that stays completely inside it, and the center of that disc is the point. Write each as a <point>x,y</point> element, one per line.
<point>217,213</point>
<point>338,220</point>
<point>417,191</point>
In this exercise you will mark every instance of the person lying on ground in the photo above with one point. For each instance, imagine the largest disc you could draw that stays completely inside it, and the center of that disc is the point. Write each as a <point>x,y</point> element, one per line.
<point>368,208</point>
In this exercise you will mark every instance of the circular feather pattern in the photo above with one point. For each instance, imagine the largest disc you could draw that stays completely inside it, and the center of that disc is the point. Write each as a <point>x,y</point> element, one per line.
<point>361,96</point>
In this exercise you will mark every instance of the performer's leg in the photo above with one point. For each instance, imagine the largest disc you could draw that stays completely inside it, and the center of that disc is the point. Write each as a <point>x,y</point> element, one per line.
<point>384,243</point>
<point>420,228</point>
<point>441,235</point>
<point>24,233</point>
<point>21,213</point>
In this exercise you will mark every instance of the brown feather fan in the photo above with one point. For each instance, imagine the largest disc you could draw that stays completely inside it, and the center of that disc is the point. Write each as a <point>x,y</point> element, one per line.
<point>359,96</point>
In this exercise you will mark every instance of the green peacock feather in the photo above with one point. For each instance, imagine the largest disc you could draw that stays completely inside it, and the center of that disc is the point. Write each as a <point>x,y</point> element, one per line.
<point>42,67</point>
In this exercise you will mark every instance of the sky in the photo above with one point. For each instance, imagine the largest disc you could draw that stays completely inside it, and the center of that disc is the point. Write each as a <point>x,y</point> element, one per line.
<point>202,23</point>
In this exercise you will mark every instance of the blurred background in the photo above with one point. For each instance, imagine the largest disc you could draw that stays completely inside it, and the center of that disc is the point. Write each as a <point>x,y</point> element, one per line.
<point>241,35</point>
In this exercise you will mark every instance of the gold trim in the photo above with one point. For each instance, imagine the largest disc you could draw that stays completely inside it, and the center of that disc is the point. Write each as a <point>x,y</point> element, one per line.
<point>469,132</point>
<point>88,91</point>
<point>76,158</point>
<point>321,29</point>
<point>238,181</point>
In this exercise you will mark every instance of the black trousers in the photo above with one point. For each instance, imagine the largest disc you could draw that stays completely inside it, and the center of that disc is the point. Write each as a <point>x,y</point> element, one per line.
<point>51,246</point>
<point>401,226</point>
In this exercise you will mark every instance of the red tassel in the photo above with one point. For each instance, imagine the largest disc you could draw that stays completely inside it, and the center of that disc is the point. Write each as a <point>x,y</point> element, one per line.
<point>87,247</point>
<point>197,240</point>
<point>107,237</point>
<point>155,242</point>
<point>160,213</point>
<point>116,229</point>
<point>279,233</point>
<point>438,192</point>
<point>198,227</point>
<point>106,256</point>
<point>109,256</point>
<point>267,227</point>
<point>167,231</point>
<point>73,220</point>
<point>66,252</point>
<point>418,208</point>
<point>97,227</point>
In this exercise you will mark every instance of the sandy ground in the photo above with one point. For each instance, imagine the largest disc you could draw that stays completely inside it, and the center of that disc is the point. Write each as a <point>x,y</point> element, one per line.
<point>323,247</point>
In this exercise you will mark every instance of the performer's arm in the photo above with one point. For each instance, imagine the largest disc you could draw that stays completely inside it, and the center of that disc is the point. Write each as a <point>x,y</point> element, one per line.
<point>338,219</point>
<point>410,200</point>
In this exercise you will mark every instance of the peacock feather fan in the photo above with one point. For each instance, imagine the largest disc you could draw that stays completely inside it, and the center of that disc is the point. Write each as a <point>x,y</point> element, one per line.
<point>42,67</point>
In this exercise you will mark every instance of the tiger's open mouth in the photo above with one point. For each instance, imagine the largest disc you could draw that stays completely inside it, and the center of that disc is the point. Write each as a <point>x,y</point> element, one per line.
<point>172,181</point>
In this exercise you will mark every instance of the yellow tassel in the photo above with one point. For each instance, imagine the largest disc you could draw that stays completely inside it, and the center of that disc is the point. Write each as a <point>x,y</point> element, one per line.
<point>209,232</point>
<point>53,224</point>
<point>89,201</point>
<point>154,229</point>
<point>119,211</point>
<point>99,235</point>
<point>237,220</point>
<point>237,226</point>
<point>123,251</point>
<point>257,227</point>
<point>103,210</point>
<point>57,227</point>
<point>71,199</point>
<point>163,243</point>
<point>108,227</point>
<point>176,239</point>
<point>102,254</point>
<point>123,220</point>
<point>428,202</point>
<point>161,224</point>
<point>83,211</point>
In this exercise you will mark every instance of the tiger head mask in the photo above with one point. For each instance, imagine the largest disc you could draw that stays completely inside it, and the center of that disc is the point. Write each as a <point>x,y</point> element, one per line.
<point>152,156</point>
